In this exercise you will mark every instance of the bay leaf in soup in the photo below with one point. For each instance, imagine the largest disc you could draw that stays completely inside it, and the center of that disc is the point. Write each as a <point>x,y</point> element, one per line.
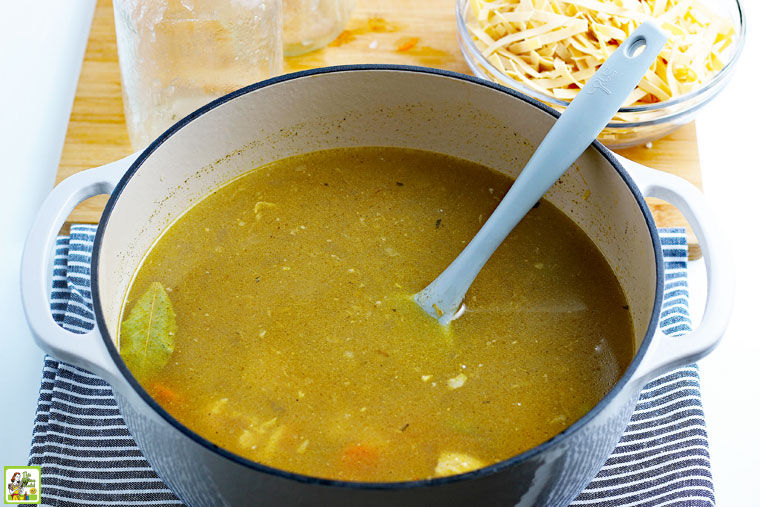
<point>147,334</point>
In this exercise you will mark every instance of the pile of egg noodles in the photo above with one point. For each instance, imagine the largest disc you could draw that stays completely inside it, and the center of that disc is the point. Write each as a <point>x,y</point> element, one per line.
<point>555,46</point>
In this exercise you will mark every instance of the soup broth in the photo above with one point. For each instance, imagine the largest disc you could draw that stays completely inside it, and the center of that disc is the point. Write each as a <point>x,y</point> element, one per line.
<point>275,319</point>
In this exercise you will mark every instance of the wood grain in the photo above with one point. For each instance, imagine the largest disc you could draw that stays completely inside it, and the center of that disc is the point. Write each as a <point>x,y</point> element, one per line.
<point>380,31</point>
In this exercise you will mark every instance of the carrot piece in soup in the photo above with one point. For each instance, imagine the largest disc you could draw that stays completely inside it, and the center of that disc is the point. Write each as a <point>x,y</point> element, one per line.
<point>163,394</point>
<point>360,456</point>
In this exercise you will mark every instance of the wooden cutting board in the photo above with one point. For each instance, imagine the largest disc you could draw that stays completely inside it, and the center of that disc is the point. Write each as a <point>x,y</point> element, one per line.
<point>422,32</point>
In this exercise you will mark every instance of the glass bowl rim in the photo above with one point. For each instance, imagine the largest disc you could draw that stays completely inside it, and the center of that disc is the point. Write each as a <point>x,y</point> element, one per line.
<point>720,76</point>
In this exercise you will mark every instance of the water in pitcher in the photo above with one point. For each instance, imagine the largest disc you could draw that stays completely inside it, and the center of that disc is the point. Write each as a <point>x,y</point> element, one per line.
<point>176,55</point>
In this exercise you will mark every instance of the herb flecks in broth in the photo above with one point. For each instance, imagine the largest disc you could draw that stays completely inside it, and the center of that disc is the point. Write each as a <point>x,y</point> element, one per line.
<point>148,333</point>
<point>299,344</point>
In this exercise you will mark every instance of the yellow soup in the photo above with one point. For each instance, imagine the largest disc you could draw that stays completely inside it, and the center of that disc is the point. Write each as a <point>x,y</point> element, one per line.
<point>275,319</point>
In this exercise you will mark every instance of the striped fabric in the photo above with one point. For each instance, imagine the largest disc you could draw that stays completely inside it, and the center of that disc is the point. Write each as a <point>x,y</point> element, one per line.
<point>663,457</point>
<point>88,457</point>
<point>86,452</point>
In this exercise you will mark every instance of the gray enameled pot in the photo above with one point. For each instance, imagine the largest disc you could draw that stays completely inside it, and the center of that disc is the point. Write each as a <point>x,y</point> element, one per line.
<point>369,105</point>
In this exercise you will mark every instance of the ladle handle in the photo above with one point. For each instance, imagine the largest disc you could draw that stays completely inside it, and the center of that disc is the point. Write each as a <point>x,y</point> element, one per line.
<point>574,131</point>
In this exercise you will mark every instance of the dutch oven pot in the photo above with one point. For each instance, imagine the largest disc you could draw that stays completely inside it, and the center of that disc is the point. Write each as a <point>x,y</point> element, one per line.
<point>369,105</point>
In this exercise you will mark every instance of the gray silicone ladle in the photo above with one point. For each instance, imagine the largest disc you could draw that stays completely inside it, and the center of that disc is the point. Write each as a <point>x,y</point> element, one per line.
<point>573,132</point>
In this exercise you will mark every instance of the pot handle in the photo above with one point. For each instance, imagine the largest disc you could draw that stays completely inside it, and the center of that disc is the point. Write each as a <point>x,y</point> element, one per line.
<point>668,352</point>
<point>83,350</point>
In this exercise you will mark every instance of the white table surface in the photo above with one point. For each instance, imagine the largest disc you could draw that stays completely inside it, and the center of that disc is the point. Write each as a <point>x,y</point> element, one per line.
<point>32,129</point>
<point>38,79</point>
<point>729,139</point>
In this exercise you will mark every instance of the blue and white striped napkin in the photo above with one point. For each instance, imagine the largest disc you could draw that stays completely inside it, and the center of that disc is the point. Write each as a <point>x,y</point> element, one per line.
<point>88,456</point>
<point>662,458</point>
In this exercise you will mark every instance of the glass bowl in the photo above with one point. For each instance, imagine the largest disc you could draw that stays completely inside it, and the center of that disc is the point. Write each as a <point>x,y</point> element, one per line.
<point>632,125</point>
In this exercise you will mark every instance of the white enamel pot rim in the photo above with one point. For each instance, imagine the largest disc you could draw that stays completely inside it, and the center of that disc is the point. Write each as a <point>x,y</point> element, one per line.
<point>88,351</point>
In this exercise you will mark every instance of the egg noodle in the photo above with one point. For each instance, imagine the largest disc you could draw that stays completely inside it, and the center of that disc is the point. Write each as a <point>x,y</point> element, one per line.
<point>555,46</point>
